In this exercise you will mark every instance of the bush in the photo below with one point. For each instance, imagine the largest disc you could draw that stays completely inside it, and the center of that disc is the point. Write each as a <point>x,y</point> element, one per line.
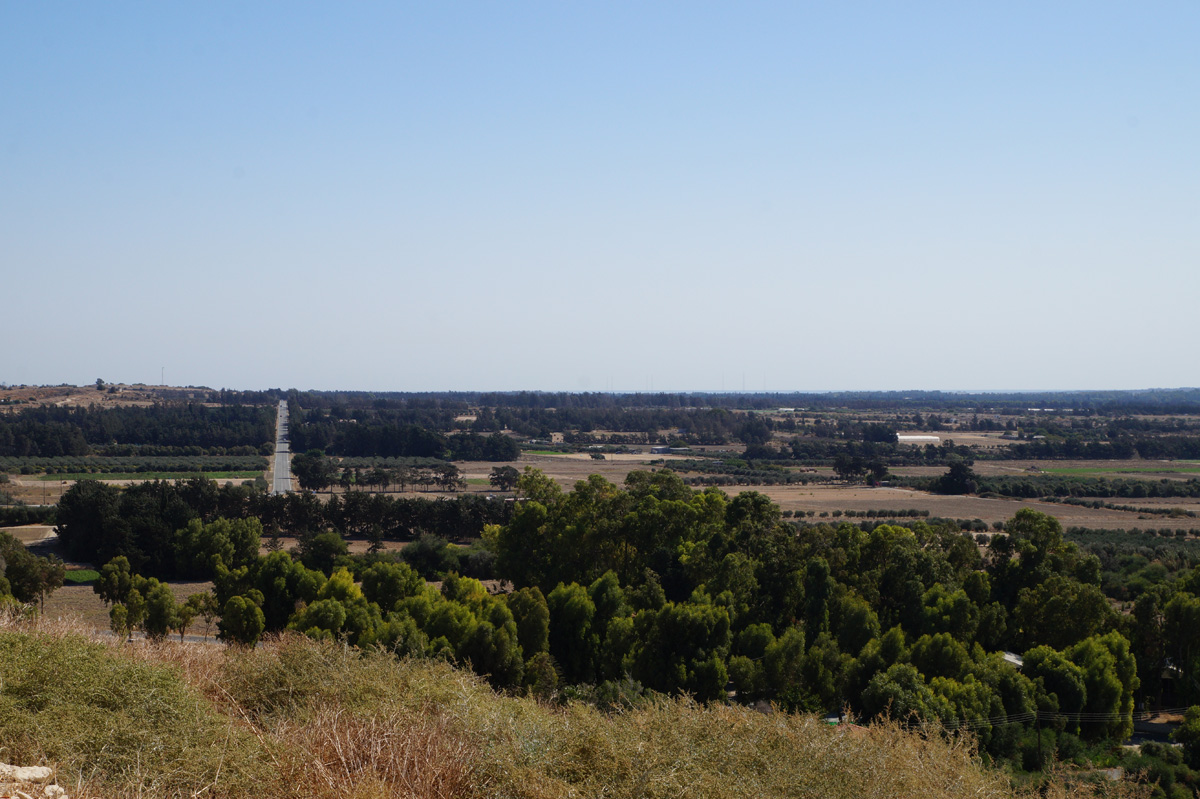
<point>130,726</point>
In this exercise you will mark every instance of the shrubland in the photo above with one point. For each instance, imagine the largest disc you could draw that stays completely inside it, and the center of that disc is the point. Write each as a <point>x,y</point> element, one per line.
<point>299,717</point>
<point>627,597</point>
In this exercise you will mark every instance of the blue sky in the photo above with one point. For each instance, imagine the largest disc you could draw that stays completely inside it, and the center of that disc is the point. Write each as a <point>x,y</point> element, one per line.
<point>585,196</point>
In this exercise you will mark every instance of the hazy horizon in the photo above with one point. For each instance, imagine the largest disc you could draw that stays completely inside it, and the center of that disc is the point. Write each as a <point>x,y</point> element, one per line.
<point>601,197</point>
<point>747,391</point>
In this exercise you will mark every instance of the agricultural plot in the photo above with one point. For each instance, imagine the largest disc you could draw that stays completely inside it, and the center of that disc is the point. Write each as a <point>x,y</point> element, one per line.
<point>80,603</point>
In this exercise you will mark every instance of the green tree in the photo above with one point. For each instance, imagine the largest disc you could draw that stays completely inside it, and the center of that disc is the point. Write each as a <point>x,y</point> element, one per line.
<point>902,694</point>
<point>959,479</point>
<point>1110,675</point>
<point>341,610</point>
<point>682,648</point>
<point>1181,620</point>
<point>115,581</point>
<point>161,609</point>
<point>205,606</point>
<point>200,546</point>
<point>541,677</point>
<point>1060,686</point>
<point>1188,736</point>
<point>855,623</point>
<point>940,655</point>
<point>321,551</point>
<point>532,616</point>
<point>571,640</point>
<point>1060,612</point>
<point>118,621</point>
<point>950,612</point>
<point>386,584</point>
<point>504,478</point>
<point>184,614</point>
<point>313,470</point>
<point>135,609</point>
<point>818,589</point>
<point>241,621</point>
<point>28,577</point>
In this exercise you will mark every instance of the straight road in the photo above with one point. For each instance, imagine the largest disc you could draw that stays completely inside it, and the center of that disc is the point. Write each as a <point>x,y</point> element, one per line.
<point>283,456</point>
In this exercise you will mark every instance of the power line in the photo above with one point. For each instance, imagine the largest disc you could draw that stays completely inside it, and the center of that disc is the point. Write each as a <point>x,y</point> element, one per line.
<point>1041,715</point>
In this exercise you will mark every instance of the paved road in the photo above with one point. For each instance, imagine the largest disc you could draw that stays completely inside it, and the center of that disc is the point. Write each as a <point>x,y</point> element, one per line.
<point>283,455</point>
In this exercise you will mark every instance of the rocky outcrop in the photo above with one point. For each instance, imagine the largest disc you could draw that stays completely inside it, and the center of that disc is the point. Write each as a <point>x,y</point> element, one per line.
<point>29,782</point>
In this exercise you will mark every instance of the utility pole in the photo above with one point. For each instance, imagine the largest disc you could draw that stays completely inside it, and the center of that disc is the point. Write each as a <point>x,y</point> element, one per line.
<point>1037,719</point>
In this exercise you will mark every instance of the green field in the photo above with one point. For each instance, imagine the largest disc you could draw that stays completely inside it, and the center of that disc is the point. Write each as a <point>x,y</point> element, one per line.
<point>54,478</point>
<point>80,576</point>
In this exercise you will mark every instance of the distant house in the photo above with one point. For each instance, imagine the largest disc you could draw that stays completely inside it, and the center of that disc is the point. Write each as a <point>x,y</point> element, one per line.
<point>915,439</point>
<point>660,450</point>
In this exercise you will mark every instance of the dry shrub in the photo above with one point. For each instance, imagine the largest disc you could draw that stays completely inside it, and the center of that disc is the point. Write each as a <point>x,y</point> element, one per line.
<point>291,675</point>
<point>1067,782</point>
<point>676,748</point>
<point>115,724</point>
<point>16,619</point>
<point>296,717</point>
<point>337,754</point>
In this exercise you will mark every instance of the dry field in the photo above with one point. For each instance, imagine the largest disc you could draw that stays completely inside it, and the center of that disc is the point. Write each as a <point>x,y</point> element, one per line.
<point>36,492</point>
<point>81,603</point>
<point>1139,469</point>
<point>81,396</point>
<point>30,533</point>
<point>969,438</point>
<point>830,498</point>
<point>567,469</point>
<point>48,492</point>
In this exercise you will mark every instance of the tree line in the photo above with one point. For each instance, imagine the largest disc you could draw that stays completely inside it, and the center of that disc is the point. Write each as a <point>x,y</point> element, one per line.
<point>654,586</point>
<point>346,438</point>
<point>963,480</point>
<point>98,522</point>
<point>101,464</point>
<point>1127,402</point>
<point>162,429</point>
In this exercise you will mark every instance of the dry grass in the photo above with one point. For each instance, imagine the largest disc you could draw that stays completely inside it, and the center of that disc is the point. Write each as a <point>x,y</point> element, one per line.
<point>299,718</point>
<point>339,754</point>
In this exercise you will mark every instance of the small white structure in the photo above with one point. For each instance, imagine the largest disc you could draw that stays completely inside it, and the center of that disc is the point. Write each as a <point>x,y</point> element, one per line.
<point>914,439</point>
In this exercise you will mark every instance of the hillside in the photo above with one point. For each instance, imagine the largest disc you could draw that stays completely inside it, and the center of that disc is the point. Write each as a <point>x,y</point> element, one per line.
<point>296,717</point>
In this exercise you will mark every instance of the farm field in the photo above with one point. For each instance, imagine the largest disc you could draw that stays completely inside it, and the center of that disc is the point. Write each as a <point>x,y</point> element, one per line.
<point>859,498</point>
<point>30,533</point>
<point>15,398</point>
<point>80,603</point>
<point>567,469</point>
<point>48,489</point>
<point>142,476</point>
<point>1174,470</point>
